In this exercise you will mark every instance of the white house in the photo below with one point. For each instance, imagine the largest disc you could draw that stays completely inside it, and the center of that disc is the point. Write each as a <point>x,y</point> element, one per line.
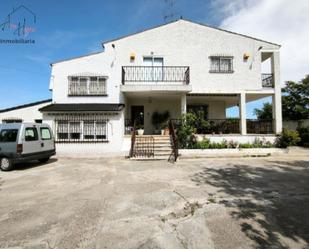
<point>174,67</point>
<point>24,113</point>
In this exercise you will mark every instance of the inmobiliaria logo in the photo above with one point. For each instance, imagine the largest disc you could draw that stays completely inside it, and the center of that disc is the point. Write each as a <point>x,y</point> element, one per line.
<point>19,23</point>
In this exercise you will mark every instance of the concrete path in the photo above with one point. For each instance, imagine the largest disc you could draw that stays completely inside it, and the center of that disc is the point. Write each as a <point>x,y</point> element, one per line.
<point>114,203</point>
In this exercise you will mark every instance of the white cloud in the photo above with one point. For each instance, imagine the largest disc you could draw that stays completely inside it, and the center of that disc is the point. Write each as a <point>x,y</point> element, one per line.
<point>281,21</point>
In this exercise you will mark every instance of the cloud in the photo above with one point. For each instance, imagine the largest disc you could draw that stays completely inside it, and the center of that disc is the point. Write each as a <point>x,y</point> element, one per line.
<point>281,21</point>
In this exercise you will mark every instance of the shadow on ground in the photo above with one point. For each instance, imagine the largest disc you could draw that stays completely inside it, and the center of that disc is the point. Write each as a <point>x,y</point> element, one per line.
<point>271,203</point>
<point>33,164</point>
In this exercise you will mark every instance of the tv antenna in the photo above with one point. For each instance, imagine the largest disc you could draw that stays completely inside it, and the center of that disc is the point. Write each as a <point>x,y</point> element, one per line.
<point>170,11</point>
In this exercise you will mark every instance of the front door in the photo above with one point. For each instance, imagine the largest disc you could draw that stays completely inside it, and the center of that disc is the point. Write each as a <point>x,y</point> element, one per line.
<point>137,115</point>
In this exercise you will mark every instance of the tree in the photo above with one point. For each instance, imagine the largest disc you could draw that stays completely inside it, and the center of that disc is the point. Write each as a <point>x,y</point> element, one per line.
<point>295,100</point>
<point>265,113</point>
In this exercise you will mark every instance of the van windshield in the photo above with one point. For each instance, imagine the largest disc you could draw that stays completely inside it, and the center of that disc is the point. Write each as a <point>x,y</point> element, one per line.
<point>8,135</point>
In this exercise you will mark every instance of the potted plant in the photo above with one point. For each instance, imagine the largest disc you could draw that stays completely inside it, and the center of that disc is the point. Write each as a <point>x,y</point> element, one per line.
<point>140,129</point>
<point>164,128</point>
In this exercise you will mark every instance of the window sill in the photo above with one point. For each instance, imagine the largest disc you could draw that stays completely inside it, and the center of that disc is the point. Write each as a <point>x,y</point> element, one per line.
<point>223,72</point>
<point>87,95</point>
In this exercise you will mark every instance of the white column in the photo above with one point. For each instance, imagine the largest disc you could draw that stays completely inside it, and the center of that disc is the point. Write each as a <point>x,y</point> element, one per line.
<point>276,99</point>
<point>243,114</point>
<point>183,104</point>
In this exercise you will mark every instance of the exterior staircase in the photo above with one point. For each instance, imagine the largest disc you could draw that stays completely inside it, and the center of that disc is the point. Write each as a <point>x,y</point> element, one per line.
<point>152,147</point>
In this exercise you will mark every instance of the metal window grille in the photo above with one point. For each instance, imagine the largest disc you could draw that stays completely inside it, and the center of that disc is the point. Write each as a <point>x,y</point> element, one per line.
<point>221,64</point>
<point>87,85</point>
<point>81,128</point>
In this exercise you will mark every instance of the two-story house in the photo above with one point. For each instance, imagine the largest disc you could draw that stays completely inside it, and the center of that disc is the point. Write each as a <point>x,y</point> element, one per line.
<point>173,67</point>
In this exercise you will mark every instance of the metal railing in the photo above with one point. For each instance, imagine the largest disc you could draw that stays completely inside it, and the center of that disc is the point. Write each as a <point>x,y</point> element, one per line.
<point>174,140</point>
<point>267,80</point>
<point>133,136</point>
<point>259,126</point>
<point>143,146</point>
<point>81,128</point>
<point>214,126</point>
<point>128,126</point>
<point>147,74</point>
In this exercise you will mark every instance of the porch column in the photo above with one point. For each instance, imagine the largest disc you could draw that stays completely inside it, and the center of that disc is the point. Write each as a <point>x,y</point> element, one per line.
<point>276,98</point>
<point>183,104</point>
<point>243,114</point>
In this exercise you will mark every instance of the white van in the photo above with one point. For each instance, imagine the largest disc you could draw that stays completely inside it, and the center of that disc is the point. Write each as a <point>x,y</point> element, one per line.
<point>23,142</point>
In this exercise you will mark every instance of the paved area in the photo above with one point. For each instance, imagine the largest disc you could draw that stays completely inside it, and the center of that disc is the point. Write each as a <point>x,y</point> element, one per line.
<point>114,203</point>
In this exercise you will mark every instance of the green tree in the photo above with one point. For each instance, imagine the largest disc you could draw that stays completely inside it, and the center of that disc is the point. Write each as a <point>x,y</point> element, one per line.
<point>265,113</point>
<point>295,100</point>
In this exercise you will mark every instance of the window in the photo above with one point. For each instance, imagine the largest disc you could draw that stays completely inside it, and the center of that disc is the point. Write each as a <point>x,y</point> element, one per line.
<point>75,130</point>
<point>221,64</point>
<point>87,86</point>
<point>11,120</point>
<point>62,130</point>
<point>89,128</point>
<point>8,135</point>
<point>154,68</point>
<point>45,133</point>
<point>31,134</point>
<point>82,129</point>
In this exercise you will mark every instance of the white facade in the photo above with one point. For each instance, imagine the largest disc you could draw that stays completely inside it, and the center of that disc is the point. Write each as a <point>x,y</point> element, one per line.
<point>26,113</point>
<point>178,44</point>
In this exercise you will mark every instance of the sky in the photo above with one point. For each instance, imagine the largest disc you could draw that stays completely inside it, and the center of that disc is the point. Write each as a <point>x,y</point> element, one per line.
<point>64,29</point>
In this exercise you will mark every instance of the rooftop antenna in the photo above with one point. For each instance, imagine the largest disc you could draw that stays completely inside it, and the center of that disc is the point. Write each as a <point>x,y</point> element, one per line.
<point>170,13</point>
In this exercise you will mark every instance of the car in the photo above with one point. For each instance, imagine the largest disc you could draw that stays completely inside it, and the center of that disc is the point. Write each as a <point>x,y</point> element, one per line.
<point>24,142</point>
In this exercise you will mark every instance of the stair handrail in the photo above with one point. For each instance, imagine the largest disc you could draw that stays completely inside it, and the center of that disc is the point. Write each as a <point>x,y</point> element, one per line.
<point>133,137</point>
<point>174,139</point>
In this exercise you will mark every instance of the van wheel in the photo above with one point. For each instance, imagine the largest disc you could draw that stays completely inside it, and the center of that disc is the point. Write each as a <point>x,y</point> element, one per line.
<point>6,164</point>
<point>44,160</point>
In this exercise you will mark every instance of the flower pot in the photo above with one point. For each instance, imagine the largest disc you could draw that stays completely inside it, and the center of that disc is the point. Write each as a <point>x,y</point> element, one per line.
<point>140,132</point>
<point>166,131</point>
<point>162,132</point>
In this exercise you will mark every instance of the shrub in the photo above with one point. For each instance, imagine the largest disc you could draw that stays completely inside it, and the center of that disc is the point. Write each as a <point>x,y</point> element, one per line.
<point>245,145</point>
<point>287,138</point>
<point>304,136</point>
<point>186,131</point>
<point>205,144</point>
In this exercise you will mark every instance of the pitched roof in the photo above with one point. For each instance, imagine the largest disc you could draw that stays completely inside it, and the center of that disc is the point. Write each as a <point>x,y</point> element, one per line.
<point>82,107</point>
<point>25,106</point>
<point>187,20</point>
<point>161,25</point>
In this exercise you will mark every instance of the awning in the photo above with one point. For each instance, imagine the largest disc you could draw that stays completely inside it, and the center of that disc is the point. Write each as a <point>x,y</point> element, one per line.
<point>82,108</point>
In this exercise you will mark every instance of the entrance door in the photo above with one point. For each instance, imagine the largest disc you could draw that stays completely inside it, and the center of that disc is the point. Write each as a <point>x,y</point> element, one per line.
<point>137,114</point>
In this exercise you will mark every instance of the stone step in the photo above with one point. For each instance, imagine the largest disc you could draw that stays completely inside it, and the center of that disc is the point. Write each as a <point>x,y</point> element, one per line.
<point>155,158</point>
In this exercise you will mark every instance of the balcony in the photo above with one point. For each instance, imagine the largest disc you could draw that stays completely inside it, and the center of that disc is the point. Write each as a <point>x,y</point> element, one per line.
<point>267,80</point>
<point>155,78</point>
<point>148,74</point>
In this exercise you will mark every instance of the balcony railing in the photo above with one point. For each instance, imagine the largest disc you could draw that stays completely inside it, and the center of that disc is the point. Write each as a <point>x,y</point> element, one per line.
<point>267,80</point>
<point>149,74</point>
<point>255,126</point>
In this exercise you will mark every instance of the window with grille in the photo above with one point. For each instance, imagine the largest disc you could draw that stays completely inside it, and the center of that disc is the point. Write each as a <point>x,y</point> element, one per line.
<point>221,64</point>
<point>87,86</point>
<point>81,129</point>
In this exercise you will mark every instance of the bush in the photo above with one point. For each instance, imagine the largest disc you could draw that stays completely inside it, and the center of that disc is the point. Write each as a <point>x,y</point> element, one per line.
<point>246,146</point>
<point>186,131</point>
<point>287,138</point>
<point>304,136</point>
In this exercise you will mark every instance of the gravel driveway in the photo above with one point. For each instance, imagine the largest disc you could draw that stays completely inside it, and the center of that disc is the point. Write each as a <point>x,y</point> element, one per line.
<point>118,203</point>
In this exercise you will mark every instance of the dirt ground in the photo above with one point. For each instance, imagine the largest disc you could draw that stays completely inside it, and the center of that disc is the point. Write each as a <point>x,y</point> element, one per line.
<point>118,203</point>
